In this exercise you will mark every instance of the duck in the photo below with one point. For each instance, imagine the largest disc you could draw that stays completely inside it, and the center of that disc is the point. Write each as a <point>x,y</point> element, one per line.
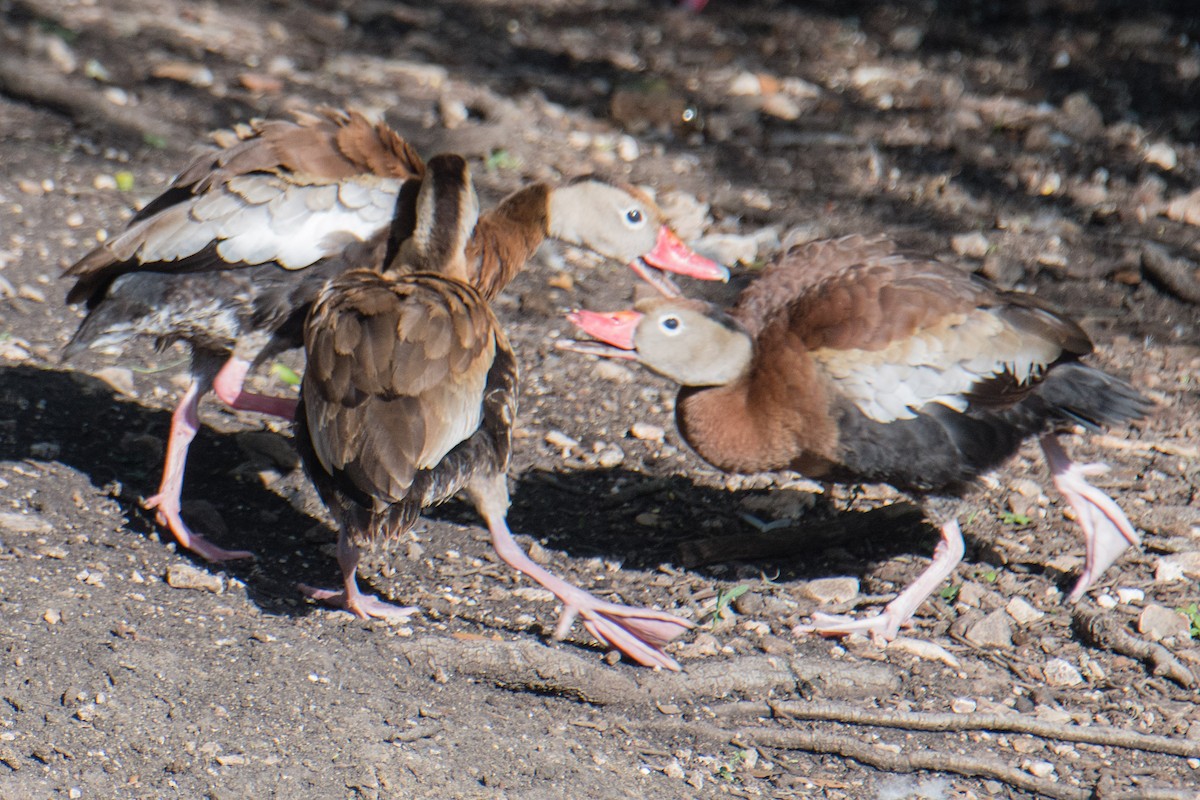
<point>229,257</point>
<point>849,361</point>
<point>409,397</point>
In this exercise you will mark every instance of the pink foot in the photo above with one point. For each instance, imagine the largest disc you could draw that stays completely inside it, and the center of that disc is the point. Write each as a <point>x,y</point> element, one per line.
<point>1107,532</point>
<point>640,633</point>
<point>363,606</point>
<point>167,508</point>
<point>228,387</point>
<point>899,612</point>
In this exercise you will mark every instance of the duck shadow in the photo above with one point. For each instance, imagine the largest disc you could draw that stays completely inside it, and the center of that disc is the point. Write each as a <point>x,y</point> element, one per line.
<point>645,522</point>
<point>118,445</point>
<point>639,520</point>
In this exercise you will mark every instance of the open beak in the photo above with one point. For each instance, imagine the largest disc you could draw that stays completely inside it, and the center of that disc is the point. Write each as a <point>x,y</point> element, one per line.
<point>614,330</point>
<point>670,254</point>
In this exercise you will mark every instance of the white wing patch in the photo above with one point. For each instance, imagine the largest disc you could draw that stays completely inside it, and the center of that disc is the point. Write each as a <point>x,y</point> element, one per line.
<point>255,219</point>
<point>937,365</point>
<point>464,408</point>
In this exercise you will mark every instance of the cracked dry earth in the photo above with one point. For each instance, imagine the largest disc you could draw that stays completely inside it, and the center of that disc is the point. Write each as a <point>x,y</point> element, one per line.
<point>1049,145</point>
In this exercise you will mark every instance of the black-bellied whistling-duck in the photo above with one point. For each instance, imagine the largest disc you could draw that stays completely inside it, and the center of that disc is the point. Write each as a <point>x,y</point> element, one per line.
<point>409,397</point>
<point>230,256</point>
<point>846,361</point>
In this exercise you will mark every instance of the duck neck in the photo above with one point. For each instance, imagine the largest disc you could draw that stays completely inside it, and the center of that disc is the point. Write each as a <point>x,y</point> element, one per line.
<point>507,236</point>
<point>773,418</point>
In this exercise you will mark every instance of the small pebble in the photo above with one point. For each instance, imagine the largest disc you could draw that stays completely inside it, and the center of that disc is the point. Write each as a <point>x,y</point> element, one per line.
<point>1106,601</point>
<point>561,440</point>
<point>831,590</point>
<point>994,630</point>
<point>1161,154</point>
<point>1128,594</point>
<point>52,616</point>
<point>627,149</point>
<point>185,576</point>
<point>14,522</point>
<point>611,457</point>
<point>1037,768</point>
<point>612,371</point>
<point>673,770</point>
<point>31,293</point>
<point>647,432</point>
<point>970,245</point>
<point>963,705</point>
<point>1061,673</point>
<point>1021,611</point>
<point>119,378</point>
<point>1157,622</point>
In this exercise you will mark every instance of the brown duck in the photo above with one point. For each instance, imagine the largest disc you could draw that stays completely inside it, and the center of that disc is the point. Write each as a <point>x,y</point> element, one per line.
<point>229,257</point>
<point>409,398</point>
<point>847,361</point>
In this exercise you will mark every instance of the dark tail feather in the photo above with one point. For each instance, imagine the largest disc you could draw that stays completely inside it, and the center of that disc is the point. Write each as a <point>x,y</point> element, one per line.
<point>1092,398</point>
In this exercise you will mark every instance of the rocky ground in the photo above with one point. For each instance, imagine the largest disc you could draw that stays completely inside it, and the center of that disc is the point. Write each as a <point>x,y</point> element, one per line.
<point>1051,146</point>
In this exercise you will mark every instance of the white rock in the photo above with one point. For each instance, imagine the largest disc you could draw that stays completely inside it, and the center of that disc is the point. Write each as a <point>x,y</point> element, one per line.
<point>561,440</point>
<point>1168,570</point>
<point>1161,154</point>
<point>23,523</point>
<point>119,378</point>
<point>1106,601</point>
<point>185,576</point>
<point>782,107</point>
<point>1187,562</point>
<point>1021,611</point>
<point>963,705</point>
<point>1038,768</point>
<point>1060,672</point>
<point>971,245</point>
<point>831,590</point>
<point>746,84</point>
<point>627,148</point>
<point>610,457</point>
<point>925,650</point>
<point>994,630</point>
<point>612,371</point>
<point>1127,594</point>
<point>647,432</point>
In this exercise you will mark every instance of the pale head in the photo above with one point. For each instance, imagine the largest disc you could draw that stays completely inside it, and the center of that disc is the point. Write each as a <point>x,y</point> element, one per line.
<point>687,341</point>
<point>624,224</point>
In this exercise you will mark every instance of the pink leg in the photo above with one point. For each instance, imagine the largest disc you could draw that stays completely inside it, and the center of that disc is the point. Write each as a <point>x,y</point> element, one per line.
<point>228,387</point>
<point>363,606</point>
<point>887,624</point>
<point>640,633</point>
<point>184,424</point>
<point>1107,532</point>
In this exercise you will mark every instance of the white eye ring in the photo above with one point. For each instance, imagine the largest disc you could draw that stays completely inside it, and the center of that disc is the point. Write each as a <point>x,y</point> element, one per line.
<point>670,325</point>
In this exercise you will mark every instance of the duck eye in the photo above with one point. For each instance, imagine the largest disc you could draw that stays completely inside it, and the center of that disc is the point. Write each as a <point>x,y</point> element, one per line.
<point>634,216</point>
<point>670,324</point>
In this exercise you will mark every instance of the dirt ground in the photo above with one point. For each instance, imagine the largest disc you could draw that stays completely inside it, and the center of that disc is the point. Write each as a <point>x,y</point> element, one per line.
<point>1050,145</point>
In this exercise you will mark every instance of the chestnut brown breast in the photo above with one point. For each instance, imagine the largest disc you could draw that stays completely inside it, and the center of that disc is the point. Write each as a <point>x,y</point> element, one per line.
<point>870,365</point>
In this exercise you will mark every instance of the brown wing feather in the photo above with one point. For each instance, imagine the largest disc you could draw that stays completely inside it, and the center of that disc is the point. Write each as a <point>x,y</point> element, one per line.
<point>282,171</point>
<point>892,333</point>
<point>412,391</point>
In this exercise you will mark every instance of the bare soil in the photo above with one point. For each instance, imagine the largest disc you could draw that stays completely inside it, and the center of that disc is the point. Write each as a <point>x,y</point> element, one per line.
<point>1050,145</point>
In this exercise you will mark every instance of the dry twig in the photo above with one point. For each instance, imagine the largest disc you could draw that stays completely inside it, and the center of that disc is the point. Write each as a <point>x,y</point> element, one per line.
<point>1180,276</point>
<point>945,722</point>
<point>1100,630</point>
